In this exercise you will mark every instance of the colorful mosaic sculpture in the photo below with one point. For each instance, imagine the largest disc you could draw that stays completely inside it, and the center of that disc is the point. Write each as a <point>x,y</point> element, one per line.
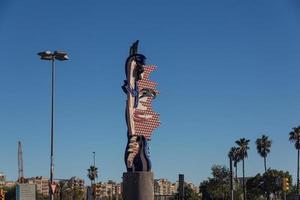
<point>140,117</point>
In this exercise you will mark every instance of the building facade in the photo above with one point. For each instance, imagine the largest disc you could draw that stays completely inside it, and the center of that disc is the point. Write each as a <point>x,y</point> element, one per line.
<point>76,182</point>
<point>164,187</point>
<point>42,184</point>
<point>26,191</point>
<point>110,189</point>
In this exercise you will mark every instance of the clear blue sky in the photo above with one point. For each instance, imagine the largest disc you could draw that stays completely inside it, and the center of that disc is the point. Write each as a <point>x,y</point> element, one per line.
<point>227,69</point>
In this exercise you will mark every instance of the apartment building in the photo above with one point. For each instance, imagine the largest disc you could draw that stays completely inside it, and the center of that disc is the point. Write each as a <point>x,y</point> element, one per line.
<point>76,182</point>
<point>42,184</point>
<point>164,187</point>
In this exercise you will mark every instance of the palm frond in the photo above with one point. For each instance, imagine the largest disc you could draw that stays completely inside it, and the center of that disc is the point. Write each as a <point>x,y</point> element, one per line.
<point>263,146</point>
<point>294,136</point>
<point>243,147</point>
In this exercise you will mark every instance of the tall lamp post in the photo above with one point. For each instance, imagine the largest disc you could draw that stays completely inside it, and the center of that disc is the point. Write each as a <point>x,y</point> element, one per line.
<point>95,171</point>
<point>61,56</point>
<point>94,159</point>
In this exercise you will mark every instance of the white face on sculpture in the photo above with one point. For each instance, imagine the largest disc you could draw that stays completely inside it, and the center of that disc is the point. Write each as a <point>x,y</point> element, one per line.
<point>140,105</point>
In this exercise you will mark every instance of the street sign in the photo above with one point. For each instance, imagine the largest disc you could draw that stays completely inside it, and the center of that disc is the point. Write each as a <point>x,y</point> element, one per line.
<point>53,188</point>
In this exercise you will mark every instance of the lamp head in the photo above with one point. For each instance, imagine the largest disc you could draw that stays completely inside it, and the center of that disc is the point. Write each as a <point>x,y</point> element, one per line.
<point>46,55</point>
<point>60,55</point>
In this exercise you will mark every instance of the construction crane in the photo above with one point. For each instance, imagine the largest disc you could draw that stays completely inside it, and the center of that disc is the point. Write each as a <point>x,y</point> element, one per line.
<point>21,178</point>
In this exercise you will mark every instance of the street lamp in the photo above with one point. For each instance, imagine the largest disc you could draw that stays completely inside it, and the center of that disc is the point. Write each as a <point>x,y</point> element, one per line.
<point>95,171</point>
<point>61,56</point>
<point>94,158</point>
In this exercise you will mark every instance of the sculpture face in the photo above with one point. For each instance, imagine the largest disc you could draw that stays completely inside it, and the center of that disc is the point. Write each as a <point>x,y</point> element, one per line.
<point>140,117</point>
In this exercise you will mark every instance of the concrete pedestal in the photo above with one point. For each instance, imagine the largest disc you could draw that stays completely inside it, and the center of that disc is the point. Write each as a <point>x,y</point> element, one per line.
<point>138,186</point>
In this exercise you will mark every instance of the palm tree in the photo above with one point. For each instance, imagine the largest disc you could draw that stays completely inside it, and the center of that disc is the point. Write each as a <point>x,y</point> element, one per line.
<point>232,154</point>
<point>242,151</point>
<point>235,158</point>
<point>92,173</point>
<point>263,146</point>
<point>295,137</point>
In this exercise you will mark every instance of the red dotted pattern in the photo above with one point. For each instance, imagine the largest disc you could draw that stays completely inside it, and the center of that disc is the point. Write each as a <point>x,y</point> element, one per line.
<point>146,126</point>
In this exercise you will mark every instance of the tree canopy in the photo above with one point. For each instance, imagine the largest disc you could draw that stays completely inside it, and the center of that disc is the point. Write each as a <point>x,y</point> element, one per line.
<point>218,186</point>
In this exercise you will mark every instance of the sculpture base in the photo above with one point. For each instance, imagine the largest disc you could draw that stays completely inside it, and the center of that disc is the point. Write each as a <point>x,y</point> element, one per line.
<point>138,186</point>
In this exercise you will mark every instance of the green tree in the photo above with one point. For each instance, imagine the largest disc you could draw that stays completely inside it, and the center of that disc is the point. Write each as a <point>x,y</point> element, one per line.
<point>68,190</point>
<point>204,189</point>
<point>42,197</point>
<point>243,153</point>
<point>294,136</point>
<point>92,173</point>
<point>77,193</point>
<point>217,187</point>
<point>254,187</point>
<point>62,187</point>
<point>10,193</point>
<point>190,194</point>
<point>268,183</point>
<point>273,181</point>
<point>263,146</point>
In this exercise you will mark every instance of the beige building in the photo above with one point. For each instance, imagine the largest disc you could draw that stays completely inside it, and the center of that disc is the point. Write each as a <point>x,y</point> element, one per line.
<point>42,184</point>
<point>76,182</point>
<point>110,189</point>
<point>174,188</point>
<point>164,187</point>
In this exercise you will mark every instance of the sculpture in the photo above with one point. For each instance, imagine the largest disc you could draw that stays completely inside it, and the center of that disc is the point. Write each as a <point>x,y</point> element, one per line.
<point>140,118</point>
